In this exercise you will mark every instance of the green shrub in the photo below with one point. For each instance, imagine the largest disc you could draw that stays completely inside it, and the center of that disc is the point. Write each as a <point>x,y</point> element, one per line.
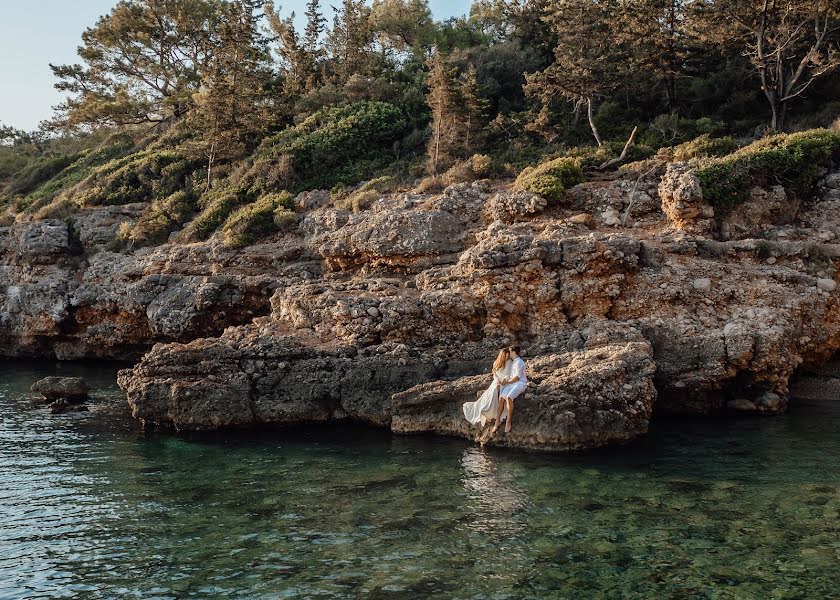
<point>257,220</point>
<point>162,217</point>
<point>284,218</point>
<point>339,145</point>
<point>361,198</point>
<point>479,166</point>
<point>139,177</point>
<point>670,128</point>
<point>216,209</point>
<point>550,179</point>
<point>433,184</point>
<point>793,160</point>
<point>705,146</point>
<point>39,172</point>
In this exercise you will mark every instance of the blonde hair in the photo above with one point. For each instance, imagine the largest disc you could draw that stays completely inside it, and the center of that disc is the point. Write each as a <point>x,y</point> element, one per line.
<point>501,360</point>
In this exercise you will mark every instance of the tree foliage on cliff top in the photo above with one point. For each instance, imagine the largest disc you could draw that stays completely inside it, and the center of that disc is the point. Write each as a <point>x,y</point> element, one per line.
<point>794,161</point>
<point>340,145</point>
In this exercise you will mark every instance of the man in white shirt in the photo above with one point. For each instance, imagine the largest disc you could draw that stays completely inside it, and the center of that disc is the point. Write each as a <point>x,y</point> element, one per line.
<point>512,387</point>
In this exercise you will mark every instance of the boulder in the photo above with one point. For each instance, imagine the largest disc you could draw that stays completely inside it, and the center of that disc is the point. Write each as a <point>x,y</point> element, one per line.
<point>682,201</point>
<point>826,285</point>
<point>72,390</point>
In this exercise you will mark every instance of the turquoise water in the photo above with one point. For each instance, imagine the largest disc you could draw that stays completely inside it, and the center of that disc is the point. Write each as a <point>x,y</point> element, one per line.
<point>91,507</point>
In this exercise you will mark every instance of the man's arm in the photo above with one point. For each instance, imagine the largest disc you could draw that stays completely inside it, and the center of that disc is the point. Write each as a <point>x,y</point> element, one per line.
<point>520,370</point>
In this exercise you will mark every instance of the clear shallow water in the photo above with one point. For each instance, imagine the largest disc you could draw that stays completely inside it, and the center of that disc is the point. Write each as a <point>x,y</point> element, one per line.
<point>90,507</point>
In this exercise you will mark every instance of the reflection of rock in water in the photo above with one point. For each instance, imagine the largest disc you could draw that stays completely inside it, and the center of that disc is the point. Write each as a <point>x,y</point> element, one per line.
<point>497,504</point>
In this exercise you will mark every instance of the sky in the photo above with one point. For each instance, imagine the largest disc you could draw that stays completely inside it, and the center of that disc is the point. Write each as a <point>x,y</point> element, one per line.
<point>35,34</point>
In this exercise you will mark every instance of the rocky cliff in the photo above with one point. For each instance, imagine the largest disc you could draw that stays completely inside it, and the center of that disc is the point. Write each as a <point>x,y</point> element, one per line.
<point>630,296</point>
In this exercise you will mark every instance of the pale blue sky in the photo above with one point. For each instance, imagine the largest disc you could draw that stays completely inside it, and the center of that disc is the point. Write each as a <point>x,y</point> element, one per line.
<point>34,34</point>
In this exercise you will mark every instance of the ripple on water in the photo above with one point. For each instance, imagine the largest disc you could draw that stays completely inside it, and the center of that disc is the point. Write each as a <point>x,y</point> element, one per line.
<point>91,507</point>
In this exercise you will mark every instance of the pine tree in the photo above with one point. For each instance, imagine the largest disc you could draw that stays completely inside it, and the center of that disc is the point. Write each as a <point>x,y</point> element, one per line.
<point>474,107</point>
<point>442,100</point>
<point>315,24</point>
<point>790,44</point>
<point>233,106</point>
<point>656,36</point>
<point>293,59</point>
<point>141,64</point>
<point>587,62</point>
<point>349,38</point>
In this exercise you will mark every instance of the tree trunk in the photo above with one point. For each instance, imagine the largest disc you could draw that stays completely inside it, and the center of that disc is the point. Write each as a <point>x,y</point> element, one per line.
<point>778,109</point>
<point>211,156</point>
<point>592,122</point>
<point>469,128</point>
<point>671,93</point>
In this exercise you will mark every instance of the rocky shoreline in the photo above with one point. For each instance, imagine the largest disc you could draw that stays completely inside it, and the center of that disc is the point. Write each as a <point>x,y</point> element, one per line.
<point>392,315</point>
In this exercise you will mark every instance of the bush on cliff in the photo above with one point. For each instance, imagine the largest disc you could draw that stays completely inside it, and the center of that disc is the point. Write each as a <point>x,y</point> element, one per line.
<point>361,198</point>
<point>705,146</point>
<point>479,166</point>
<point>340,145</point>
<point>793,160</point>
<point>50,178</point>
<point>550,179</point>
<point>139,177</point>
<point>258,219</point>
<point>216,207</point>
<point>38,173</point>
<point>162,217</point>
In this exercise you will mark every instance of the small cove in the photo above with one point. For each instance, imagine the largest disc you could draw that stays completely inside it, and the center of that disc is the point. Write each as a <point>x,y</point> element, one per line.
<point>706,508</point>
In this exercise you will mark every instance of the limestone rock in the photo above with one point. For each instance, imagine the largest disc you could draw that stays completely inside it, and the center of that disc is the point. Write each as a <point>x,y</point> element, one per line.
<point>702,284</point>
<point>73,390</point>
<point>682,201</point>
<point>575,400</point>
<point>741,405</point>
<point>826,285</point>
<point>367,315</point>
<point>515,206</point>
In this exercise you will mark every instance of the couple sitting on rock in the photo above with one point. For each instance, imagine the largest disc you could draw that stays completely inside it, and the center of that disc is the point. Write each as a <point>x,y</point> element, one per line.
<point>496,403</point>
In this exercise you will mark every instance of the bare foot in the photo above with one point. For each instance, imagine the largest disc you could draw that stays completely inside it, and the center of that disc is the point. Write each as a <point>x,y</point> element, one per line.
<point>507,429</point>
<point>495,428</point>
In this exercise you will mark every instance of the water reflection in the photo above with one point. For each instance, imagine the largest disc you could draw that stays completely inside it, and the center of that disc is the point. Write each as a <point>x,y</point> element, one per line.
<point>498,504</point>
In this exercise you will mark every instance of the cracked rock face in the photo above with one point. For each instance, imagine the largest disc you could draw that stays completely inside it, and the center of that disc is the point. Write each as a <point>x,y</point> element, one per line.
<point>682,201</point>
<point>599,394</point>
<point>72,301</point>
<point>393,315</point>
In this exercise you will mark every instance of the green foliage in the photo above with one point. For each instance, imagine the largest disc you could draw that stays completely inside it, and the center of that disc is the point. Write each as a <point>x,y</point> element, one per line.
<point>140,177</point>
<point>668,129</point>
<point>39,173</point>
<point>341,145</point>
<point>258,219</point>
<point>361,198</point>
<point>479,166</point>
<point>162,217</point>
<point>216,209</point>
<point>48,176</point>
<point>590,157</point>
<point>550,179</point>
<point>792,160</point>
<point>705,146</point>
<point>284,218</point>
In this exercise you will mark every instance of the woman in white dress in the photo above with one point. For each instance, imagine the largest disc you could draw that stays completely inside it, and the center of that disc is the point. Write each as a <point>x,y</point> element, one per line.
<point>487,406</point>
<point>512,387</point>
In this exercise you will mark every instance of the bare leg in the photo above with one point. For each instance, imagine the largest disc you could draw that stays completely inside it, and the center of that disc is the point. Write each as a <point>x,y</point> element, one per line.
<point>499,415</point>
<point>509,402</point>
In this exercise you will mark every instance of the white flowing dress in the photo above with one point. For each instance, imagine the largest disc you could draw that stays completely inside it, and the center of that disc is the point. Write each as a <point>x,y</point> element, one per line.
<point>487,406</point>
